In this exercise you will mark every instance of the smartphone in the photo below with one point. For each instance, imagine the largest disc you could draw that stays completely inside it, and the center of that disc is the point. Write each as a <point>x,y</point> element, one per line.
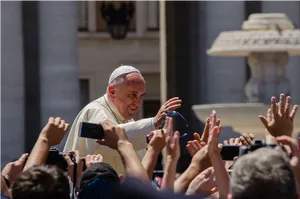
<point>91,130</point>
<point>228,152</point>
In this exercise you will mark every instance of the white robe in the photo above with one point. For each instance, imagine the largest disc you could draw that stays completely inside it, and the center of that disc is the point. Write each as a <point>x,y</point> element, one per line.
<point>103,110</point>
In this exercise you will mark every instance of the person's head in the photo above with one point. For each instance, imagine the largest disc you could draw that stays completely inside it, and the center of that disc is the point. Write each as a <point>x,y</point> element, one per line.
<point>126,90</point>
<point>264,173</point>
<point>38,182</point>
<point>98,181</point>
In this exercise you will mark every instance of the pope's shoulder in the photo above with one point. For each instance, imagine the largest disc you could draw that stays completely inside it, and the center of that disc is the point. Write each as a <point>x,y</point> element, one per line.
<point>96,104</point>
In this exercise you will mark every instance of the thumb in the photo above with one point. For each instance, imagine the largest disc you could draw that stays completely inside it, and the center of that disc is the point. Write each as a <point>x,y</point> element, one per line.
<point>264,120</point>
<point>101,142</point>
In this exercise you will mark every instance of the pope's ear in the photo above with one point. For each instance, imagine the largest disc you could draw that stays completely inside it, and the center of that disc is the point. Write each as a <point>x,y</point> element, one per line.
<point>112,91</point>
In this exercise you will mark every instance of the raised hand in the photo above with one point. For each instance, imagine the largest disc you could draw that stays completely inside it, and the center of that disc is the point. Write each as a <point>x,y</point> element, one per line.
<point>54,131</point>
<point>280,120</point>
<point>194,146</point>
<point>13,169</point>
<point>171,105</point>
<point>93,159</point>
<point>112,135</point>
<point>157,140</point>
<point>214,131</point>
<point>172,146</point>
<point>294,156</point>
<point>203,184</point>
<point>205,134</point>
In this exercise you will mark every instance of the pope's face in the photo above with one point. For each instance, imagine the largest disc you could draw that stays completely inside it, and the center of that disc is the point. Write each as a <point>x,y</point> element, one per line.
<point>129,96</point>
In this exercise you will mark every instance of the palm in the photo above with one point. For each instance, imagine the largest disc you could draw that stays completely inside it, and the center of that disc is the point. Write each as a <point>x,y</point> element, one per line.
<point>280,127</point>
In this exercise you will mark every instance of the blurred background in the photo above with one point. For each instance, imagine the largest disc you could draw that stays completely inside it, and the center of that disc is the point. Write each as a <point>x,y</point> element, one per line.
<point>57,56</point>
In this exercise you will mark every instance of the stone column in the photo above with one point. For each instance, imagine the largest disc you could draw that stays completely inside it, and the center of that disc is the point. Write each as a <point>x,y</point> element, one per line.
<point>82,14</point>
<point>226,76</point>
<point>153,14</point>
<point>141,18</point>
<point>92,16</point>
<point>268,76</point>
<point>291,9</point>
<point>12,82</point>
<point>163,52</point>
<point>59,60</point>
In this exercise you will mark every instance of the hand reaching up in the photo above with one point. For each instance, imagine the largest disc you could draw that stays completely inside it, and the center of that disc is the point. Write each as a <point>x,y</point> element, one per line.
<point>171,105</point>
<point>280,120</point>
<point>13,169</point>
<point>200,141</point>
<point>203,184</point>
<point>157,140</point>
<point>294,156</point>
<point>214,131</point>
<point>93,159</point>
<point>112,135</point>
<point>54,131</point>
<point>173,146</point>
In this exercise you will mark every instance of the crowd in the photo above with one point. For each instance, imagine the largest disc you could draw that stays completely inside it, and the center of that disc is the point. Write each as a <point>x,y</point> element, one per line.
<point>266,172</point>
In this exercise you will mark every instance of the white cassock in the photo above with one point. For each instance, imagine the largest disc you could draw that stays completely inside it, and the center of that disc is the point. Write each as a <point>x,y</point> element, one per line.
<point>101,110</point>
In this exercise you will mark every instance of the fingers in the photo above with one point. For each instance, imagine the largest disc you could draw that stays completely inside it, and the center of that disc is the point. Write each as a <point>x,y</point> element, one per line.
<point>226,142</point>
<point>288,141</point>
<point>293,113</point>
<point>51,120</point>
<point>172,101</point>
<point>213,136</point>
<point>23,157</point>
<point>237,141</point>
<point>66,127</point>
<point>213,118</point>
<point>205,133</point>
<point>281,105</point>
<point>218,122</point>
<point>269,115</point>
<point>196,145</point>
<point>287,107</point>
<point>243,141</point>
<point>231,141</point>
<point>191,150</point>
<point>57,121</point>
<point>274,107</point>
<point>169,125</point>
<point>247,137</point>
<point>174,107</point>
<point>197,136</point>
<point>101,142</point>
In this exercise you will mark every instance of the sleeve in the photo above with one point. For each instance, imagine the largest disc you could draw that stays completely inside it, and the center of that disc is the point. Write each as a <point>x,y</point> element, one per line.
<point>137,132</point>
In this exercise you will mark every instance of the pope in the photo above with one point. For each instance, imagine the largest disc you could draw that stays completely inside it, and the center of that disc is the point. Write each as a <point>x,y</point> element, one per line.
<point>123,98</point>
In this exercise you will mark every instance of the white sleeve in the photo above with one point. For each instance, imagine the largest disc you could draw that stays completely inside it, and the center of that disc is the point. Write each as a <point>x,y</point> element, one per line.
<point>137,131</point>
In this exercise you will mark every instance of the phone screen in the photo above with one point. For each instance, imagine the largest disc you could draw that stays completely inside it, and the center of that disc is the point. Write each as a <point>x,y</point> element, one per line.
<point>91,130</point>
<point>228,152</point>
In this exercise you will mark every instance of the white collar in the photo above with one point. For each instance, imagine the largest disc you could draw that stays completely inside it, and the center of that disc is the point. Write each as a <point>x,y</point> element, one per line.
<point>115,111</point>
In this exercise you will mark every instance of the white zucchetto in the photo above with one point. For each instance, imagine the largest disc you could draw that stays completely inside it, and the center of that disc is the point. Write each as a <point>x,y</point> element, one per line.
<point>122,70</point>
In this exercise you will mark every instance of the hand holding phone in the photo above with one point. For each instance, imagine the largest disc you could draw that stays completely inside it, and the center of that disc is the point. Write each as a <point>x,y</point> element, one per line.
<point>91,130</point>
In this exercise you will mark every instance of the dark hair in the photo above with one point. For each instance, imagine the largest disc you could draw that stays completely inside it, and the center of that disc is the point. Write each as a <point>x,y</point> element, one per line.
<point>41,182</point>
<point>98,181</point>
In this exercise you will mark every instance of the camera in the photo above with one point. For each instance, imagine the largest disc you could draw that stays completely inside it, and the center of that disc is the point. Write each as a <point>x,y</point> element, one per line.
<point>228,152</point>
<point>256,144</point>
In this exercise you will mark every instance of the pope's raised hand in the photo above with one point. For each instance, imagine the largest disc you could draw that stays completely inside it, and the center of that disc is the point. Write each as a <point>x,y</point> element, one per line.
<point>171,105</point>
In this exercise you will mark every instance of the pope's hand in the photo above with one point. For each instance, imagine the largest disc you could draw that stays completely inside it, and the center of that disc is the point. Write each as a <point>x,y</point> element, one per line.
<point>171,105</point>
